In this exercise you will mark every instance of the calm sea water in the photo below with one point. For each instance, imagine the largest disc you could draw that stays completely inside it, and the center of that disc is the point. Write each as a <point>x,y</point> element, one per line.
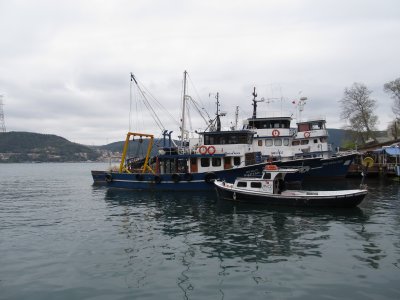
<point>63,238</point>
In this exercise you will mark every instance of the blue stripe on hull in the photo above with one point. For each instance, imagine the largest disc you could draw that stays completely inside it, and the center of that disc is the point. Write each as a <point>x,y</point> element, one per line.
<point>333,167</point>
<point>173,182</point>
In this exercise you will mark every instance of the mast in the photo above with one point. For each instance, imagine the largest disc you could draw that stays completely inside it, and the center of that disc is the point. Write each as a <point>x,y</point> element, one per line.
<point>236,117</point>
<point>255,103</point>
<point>183,125</point>
<point>218,120</point>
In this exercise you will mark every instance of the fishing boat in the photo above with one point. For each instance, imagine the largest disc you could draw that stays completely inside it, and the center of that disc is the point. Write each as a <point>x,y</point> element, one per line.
<point>270,189</point>
<point>311,140</point>
<point>306,145</point>
<point>191,163</point>
<point>177,169</point>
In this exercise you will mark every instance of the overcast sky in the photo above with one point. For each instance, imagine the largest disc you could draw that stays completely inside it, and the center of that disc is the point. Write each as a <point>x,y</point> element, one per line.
<point>65,65</point>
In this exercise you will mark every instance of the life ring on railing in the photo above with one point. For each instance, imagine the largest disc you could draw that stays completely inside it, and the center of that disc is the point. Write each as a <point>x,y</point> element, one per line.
<point>307,134</point>
<point>211,150</point>
<point>175,177</point>
<point>271,167</point>
<point>203,149</point>
<point>275,132</point>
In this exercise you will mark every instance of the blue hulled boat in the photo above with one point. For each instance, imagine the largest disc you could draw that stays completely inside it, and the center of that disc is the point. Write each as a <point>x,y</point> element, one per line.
<point>177,168</point>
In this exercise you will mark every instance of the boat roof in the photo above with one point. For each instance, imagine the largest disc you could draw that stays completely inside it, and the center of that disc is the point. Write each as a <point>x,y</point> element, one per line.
<point>270,118</point>
<point>312,120</point>
<point>228,132</point>
<point>282,170</point>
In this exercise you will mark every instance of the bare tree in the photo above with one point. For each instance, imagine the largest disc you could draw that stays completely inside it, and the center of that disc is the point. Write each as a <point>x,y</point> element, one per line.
<point>393,88</point>
<point>393,129</point>
<point>357,108</point>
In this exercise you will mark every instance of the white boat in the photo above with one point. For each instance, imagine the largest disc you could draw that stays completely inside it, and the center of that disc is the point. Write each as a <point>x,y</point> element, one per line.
<point>270,189</point>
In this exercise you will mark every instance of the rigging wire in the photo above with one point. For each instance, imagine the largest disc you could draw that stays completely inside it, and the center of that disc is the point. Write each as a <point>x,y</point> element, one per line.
<point>144,98</point>
<point>201,102</point>
<point>160,105</point>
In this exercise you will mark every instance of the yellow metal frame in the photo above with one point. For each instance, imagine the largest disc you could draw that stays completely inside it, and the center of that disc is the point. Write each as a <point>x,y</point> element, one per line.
<point>145,166</point>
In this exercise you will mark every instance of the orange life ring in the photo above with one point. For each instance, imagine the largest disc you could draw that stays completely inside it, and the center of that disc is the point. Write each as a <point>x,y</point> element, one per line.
<point>271,167</point>
<point>275,132</point>
<point>211,150</point>
<point>203,149</point>
<point>306,134</point>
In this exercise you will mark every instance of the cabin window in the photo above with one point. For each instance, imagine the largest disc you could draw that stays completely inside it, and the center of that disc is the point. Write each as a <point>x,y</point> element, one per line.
<point>295,143</point>
<point>323,140</point>
<point>304,142</point>
<point>236,161</point>
<point>216,161</point>
<point>259,142</point>
<point>268,142</point>
<point>242,184</point>
<point>285,142</point>
<point>267,176</point>
<point>205,162</point>
<point>315,141</point>
<point>304,127</point>
<point>278,142</point>
<point>256,185</point>
<point>222,139</point>
<point>318,125</point>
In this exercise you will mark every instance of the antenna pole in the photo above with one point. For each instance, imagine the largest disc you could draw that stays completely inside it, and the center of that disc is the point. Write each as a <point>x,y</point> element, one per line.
<point>254,104</point>
<point>236,117</point>
<point>183,125</point>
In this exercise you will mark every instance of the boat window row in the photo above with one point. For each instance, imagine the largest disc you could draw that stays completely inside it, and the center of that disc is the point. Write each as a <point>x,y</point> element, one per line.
<point>305,142</point>
<point>311,126</point>
<point>217,161</point>
<point>274,142</point>
<point>262,124</point>
<point>256,184</point>
<point>223,139</point>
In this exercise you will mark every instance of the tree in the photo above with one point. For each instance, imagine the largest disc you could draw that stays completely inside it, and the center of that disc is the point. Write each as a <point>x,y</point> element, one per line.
<point>393,88</point>
<point>394,129</point>
<point>357,107</point>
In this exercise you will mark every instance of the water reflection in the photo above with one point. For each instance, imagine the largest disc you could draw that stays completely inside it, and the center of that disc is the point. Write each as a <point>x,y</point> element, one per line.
<point>195,229</point>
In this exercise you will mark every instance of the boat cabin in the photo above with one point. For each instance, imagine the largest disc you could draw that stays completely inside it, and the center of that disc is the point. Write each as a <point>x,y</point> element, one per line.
<point>311,139</point>
<point>272,180</point>
<point>273,137</point>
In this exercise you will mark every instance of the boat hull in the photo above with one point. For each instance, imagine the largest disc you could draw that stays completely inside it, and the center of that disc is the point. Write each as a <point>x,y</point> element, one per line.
<point>308,165</point>
<point>334,167</point>
<point>173,182</point>
<point>351,199</point>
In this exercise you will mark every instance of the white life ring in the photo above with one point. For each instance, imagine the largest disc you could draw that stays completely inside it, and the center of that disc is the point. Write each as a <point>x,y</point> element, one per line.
<point>307,134</point>
<point>203,149</point>
<point>211,150</point>
<point>275,132</point>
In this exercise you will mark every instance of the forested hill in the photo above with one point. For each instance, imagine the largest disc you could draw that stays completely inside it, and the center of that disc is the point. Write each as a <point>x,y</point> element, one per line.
<point>28,146</point>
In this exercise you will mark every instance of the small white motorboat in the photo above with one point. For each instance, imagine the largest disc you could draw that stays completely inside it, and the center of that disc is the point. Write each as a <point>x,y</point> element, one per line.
<point>270,189</point>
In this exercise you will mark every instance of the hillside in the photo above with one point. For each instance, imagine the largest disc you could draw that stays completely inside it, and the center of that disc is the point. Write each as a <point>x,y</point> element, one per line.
<point>29,146</point>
